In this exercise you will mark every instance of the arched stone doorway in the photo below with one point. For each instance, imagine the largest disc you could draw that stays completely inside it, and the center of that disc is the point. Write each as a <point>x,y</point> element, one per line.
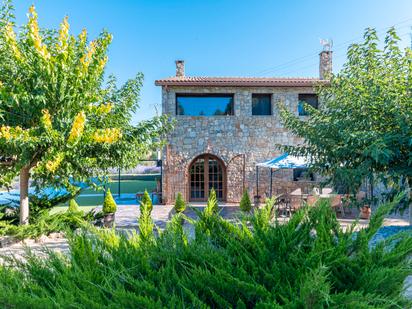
<point>206,172</point>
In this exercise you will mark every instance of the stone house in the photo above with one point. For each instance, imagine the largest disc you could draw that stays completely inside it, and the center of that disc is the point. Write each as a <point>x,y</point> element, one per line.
<point>224,126</point>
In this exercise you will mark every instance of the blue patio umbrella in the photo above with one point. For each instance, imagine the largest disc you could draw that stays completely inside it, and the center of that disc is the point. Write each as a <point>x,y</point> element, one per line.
<point>284,161</point>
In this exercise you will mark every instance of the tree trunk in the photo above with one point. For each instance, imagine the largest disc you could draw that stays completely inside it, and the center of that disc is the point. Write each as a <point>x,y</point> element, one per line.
<point>24,195</point>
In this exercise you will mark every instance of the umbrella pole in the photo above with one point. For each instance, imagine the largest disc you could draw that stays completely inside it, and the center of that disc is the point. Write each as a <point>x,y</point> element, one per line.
<point>270,190</point>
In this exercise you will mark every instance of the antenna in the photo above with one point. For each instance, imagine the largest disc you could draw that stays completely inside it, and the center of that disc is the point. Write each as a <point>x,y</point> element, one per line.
<point>155,105</point>
<point>327,44</point>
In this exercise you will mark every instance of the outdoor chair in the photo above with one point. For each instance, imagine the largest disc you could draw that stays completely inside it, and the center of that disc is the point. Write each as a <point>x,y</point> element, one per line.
<point>287,204</point>
<point>295,203</point>
<point>311,201</point>
<point>336,203</point>
<point>282,204</point>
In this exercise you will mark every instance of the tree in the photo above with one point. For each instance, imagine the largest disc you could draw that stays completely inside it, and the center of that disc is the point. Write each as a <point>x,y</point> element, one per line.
<point>364,124</point>
<point>212,206</point>
<point>145,220</point>
<point>146,201</point>
<point>60,123</point>
<point>109,204</point>
<point>180,204</point>
<point>73,206</point>
<point>245,203</point>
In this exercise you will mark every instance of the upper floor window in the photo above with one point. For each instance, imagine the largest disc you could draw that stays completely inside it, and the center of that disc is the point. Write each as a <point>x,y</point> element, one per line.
<point>311,99</point>
<point>204,104</point>
<point>261,104</point>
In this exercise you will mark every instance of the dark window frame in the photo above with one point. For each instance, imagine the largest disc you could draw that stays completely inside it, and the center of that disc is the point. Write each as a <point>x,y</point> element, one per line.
<point>204,178</point>
<point>301,110</point>
<point>202,95</point>
<point>300,171</point>
<point>270,103</point>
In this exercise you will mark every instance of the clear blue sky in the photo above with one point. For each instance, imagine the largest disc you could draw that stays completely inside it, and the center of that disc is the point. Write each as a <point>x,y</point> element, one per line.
<point>221,38</point>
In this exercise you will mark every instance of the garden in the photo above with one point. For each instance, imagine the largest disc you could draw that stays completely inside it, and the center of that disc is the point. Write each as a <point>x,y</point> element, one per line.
<point>309,262</point>
<point>63,122</point>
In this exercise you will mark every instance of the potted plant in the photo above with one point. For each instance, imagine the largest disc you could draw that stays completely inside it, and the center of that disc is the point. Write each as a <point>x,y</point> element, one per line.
<point>109,209</point>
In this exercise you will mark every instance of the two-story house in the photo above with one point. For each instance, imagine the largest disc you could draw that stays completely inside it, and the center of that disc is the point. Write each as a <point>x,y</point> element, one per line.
<point>224,126</point>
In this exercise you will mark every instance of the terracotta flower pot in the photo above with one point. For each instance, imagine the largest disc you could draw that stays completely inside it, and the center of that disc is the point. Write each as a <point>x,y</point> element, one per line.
<point>365,212</point>
<point>108,220</point>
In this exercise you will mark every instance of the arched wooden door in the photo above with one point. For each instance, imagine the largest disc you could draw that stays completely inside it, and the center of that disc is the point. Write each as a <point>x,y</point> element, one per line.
<point>206,172</point>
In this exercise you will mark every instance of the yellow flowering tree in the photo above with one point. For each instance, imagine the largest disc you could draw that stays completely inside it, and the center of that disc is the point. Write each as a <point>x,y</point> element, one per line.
<point>59,122</point>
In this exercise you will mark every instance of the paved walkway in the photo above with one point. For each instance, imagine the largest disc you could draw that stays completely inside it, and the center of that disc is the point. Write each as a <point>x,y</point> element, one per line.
<point>126,216</point>
<point>38,247</point>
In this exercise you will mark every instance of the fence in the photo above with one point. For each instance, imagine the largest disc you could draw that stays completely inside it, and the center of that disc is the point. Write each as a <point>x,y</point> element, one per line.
<point>126,186</point>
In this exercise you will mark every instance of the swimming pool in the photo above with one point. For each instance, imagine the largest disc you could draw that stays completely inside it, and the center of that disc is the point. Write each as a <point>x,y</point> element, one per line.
<point>90,197</point>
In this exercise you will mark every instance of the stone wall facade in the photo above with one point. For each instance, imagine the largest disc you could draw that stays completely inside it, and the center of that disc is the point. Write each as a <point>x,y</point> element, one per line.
<point>230,138</point>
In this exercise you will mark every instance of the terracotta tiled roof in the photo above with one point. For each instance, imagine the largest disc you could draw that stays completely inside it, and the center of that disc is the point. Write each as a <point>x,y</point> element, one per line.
<point>240,81</point>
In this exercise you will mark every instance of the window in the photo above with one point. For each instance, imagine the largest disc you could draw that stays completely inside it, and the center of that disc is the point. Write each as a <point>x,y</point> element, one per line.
<point>302,174</point>
<point>204,105</point>
<point>261,104</point>
<point>311,99</point>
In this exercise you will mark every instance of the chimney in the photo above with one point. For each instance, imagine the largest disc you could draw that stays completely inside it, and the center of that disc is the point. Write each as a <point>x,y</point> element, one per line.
<point>180,68</point>
<point>325,64</point>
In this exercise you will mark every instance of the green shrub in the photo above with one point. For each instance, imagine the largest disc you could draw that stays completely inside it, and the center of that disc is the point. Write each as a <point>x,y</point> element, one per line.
<point>180,204</point>
<point>40,205</point>
<point>245,203</point>
<point>43,203</point>
<point>73,206</point>
<point>212,206</point>
<point>307,262</point>
<point>147,201</point>
<point>145,222</point>
<point>109,205</point>
<point>45,224</point>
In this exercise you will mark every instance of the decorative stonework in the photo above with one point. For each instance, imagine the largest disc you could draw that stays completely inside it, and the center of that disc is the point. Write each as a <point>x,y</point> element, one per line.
<point>227,137</point>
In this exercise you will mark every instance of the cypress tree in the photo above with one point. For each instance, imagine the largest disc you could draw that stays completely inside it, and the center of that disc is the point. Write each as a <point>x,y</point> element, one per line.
<point>245,203</point>
<point>180,204</point>
<point>73,206</point>
<point>109,205</point>
<point>147,201</point>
